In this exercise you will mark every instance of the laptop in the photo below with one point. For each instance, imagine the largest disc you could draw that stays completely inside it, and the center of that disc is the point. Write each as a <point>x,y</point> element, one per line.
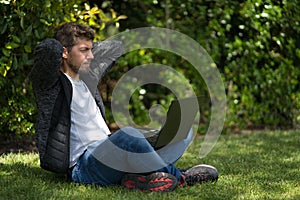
<point>179,120</point>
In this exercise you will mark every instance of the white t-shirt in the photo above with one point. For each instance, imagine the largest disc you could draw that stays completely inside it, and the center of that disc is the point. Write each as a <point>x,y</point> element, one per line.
<point>87,123</point>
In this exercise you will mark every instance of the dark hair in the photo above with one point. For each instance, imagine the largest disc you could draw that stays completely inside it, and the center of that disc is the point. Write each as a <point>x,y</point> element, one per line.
<point>68,33</point>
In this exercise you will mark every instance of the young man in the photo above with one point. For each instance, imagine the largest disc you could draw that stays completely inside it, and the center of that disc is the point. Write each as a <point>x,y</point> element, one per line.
<point>72,135</point>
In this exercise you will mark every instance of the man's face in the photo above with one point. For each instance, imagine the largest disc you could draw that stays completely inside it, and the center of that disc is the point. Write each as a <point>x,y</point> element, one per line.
<point>80,56</point>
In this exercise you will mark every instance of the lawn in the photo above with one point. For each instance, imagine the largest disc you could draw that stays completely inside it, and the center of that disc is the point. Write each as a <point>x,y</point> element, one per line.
<point>263,165</point>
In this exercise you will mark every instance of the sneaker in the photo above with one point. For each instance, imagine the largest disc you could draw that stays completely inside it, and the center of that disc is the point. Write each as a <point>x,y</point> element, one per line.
<point>199,174</point>
<point>155,182</point>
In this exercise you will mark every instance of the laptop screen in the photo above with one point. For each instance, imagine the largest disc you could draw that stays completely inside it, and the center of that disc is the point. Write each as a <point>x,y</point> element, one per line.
<point>179,121</point>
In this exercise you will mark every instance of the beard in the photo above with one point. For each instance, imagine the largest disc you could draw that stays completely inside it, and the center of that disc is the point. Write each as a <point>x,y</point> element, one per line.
<point>72,65</point>
<point>76,68</point>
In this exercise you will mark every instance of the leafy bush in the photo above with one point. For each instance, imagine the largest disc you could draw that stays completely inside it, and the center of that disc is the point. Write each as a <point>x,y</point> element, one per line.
<point>260,61</point>
<point>23,25</point>
<point>255,45</point>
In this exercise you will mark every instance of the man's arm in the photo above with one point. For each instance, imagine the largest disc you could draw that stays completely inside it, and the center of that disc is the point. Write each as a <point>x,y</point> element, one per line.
<point>47,63</point>
<point>105,54</point>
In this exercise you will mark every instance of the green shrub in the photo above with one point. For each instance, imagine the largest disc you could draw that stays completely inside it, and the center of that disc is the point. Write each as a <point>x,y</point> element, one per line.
<point>261,63</point>
<point>255,45</point>
<point>24,24</point>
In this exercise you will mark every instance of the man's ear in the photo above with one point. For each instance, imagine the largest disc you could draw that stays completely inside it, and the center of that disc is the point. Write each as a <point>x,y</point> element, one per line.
<point>65,53</point>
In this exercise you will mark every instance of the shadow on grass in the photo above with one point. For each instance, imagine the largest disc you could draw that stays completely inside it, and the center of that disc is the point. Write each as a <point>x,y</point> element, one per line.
<point>24,171</point>
<point>26,180</point>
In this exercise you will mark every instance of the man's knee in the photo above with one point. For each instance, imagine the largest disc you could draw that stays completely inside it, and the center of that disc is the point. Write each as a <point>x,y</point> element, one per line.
<point>132,132</point>
<point>135,141</point>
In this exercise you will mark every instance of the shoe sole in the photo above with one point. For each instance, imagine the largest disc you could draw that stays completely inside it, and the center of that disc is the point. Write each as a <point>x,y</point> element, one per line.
<point>156,182</point>
<point>211,177</point>
<point>205,166</point>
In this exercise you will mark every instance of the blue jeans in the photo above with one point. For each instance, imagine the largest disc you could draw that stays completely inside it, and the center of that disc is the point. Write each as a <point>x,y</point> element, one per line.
<point>125,151</point>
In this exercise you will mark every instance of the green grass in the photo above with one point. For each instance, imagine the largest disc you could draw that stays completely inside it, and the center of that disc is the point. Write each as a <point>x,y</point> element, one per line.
<point>251,166</point>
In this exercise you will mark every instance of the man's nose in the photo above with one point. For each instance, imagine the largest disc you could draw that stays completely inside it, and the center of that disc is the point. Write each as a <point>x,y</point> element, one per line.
<point>90,55</point>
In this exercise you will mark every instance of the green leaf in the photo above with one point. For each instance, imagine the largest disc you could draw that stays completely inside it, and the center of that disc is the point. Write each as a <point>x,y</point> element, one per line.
<point>87,6</point>
<point>22,22</point>
<point>6,52</point>
<point>29,30</point>
<point>15,62</point>
<point>4,28</point>
<point>7,2</point>
<point>103,17</point>
<point>16,39</point>
<point>36,34</point>
<point>27,49</point>
<point>47,4</point>
<point>11,45</point>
